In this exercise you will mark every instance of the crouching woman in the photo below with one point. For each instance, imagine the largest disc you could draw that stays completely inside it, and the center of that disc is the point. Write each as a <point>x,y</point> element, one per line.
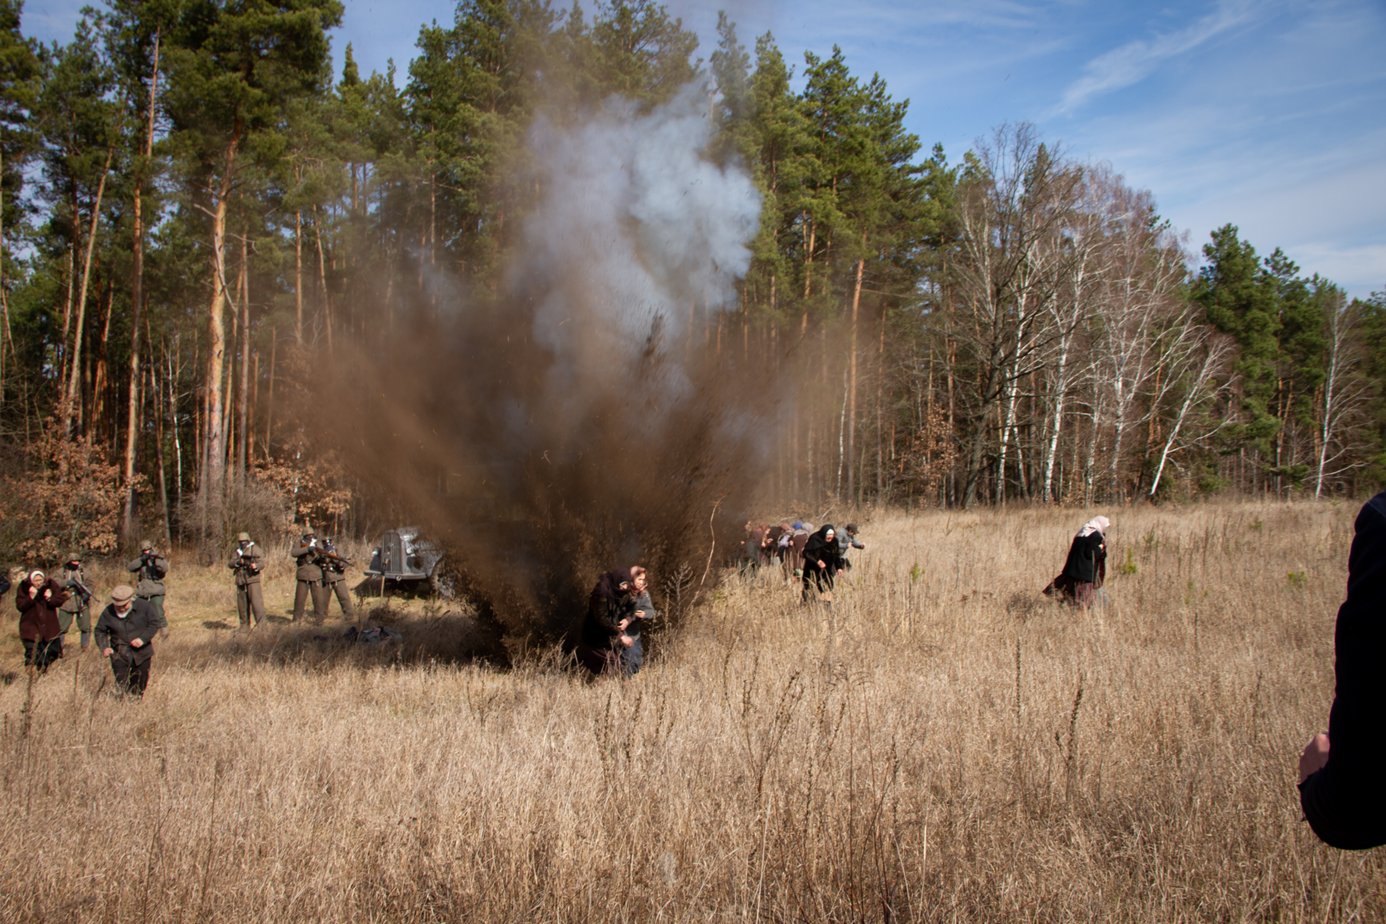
<point>125,634</point>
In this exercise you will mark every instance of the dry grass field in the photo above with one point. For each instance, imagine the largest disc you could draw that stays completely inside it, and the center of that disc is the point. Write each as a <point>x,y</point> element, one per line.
<point>942,744</point>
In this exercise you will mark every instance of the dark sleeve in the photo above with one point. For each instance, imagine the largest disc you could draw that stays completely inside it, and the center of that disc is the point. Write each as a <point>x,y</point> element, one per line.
<point>135,565</point>
<point>101,635</point>
<point>1345,802</point>
<point>22,598</point>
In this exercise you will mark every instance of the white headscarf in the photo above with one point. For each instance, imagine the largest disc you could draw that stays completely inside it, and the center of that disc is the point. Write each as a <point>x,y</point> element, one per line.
<point>1095,525</point>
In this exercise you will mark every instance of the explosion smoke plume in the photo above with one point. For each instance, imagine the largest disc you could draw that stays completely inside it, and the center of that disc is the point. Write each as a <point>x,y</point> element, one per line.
<point>577,421</point>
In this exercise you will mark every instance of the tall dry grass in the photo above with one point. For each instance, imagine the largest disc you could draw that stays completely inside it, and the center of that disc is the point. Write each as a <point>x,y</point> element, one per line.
<point>942,744</point>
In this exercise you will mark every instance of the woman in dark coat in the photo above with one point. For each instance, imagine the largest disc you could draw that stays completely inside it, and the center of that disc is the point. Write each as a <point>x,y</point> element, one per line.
<point>610,608</point>
<point>38,599</point>
<point>1085,570</point>
<point>822,561</point>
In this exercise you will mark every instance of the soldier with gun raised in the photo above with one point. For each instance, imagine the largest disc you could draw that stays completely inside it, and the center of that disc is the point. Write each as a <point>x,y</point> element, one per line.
<point>152,568</point>
<point>78,603</point>
<point>246,565</point>
<point>334,579</point>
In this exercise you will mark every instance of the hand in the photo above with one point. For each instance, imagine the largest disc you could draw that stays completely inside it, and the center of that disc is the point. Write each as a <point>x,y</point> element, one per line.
<point>106,652</point>
<point>1315,756</point>
<point>626,640</point>
<point>623,623</point>
<point>33,592</point>
<point>640,614</point>
<point>822,564</point>
<point>136,643</point>
<point>47,593</point>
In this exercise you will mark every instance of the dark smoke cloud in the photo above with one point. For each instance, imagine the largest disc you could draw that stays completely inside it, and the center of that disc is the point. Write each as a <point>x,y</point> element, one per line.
<point>580,419</point>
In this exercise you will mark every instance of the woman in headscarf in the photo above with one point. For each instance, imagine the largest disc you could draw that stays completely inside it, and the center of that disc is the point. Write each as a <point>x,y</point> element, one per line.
<point>822,561</point>
<point>38,599</point>
<point>610,608</point>
<point>1086,567</point>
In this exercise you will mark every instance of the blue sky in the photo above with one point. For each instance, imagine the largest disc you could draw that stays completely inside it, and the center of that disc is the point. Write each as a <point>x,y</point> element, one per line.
<point>1268,114</point>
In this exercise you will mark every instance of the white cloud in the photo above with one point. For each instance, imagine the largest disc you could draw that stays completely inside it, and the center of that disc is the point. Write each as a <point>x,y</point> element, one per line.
<point>1134,61</point>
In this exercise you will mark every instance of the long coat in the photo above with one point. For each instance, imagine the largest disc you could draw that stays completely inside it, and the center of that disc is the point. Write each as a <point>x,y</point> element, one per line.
<point>38,618</point>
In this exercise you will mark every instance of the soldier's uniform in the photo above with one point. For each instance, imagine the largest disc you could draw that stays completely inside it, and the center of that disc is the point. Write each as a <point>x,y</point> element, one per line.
<point>152,568</point>
<point>309,576</point>
<point>247,565</point>
<point>78,604</point>
<point>334,582</point>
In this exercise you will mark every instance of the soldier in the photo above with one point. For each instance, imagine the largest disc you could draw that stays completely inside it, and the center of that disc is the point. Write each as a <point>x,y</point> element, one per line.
<point>247,566</point>
<point>125,633</point>
<point>334,580</point>
<point>309,576</point>
<point>78,603</point>
<point>152,568</point>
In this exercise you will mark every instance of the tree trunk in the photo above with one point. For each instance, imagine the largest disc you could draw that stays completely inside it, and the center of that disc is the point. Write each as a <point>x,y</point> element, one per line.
<point>133,404</point>
<point>243,399</point>
<point>852,378</point>
<point>213,481</point>
<point>322,279</point>
<point>72,409</point>
<point>298,276</point>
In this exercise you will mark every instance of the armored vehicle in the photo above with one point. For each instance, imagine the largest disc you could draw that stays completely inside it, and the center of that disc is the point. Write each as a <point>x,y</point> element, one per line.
<point>406,558</point>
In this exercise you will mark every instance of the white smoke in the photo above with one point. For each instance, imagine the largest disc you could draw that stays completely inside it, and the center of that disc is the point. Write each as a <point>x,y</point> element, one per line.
<point>635,222</point>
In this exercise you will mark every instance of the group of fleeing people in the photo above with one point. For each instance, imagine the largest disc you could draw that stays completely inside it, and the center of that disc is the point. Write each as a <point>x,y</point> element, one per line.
<point>815,555</point>
<point>124,631</point>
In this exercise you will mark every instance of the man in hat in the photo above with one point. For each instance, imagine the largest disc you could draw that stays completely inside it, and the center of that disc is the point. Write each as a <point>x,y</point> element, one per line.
<point>125,633</point>
<point>246,565</point>
<point>78,603</point>
<point>309,575</point>
<point>152,568</point>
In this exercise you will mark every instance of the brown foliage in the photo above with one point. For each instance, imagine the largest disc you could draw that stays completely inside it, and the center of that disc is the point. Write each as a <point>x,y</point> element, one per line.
<point>67,497</point>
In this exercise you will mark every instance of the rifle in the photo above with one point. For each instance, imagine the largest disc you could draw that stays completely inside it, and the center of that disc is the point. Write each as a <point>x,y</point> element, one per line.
<point>328,553</point>
<point>244,564</point>
<point>83,591</point>
<point>149,562</point>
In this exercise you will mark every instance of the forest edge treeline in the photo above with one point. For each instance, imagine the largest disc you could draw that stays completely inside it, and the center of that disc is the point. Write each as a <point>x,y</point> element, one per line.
<point>196,210</point>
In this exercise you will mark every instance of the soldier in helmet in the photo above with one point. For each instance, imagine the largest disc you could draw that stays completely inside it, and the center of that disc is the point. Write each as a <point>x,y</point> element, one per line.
<point>152,568</point>
<point>77,606</point>
<point>309,575</point>
<point>334,579</point>
<point>246,565</point>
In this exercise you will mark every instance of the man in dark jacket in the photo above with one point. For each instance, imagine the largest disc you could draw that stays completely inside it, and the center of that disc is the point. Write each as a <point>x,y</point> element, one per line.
<point>610,609</point>
<point>1343,793</point>
<point>125,633</point>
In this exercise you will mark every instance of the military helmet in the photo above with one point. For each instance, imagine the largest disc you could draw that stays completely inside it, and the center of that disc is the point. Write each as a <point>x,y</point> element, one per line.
<point>146,545</point>
<point>243,537</point>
